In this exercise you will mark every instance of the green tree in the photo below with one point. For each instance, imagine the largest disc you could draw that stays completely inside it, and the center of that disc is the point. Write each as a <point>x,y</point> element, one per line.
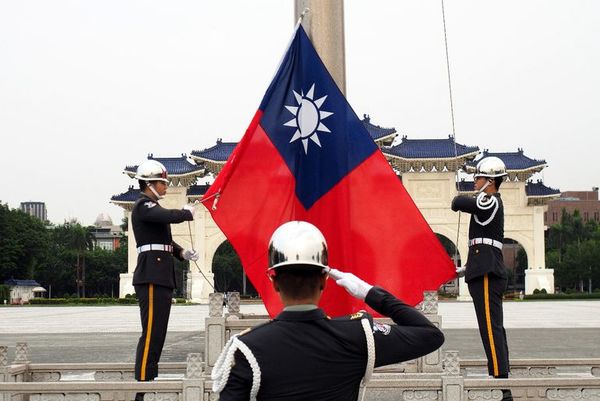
<point>228,271</point>
<point>74,241</point>
<point>573,250</point>
<point>449,247</point>
<point>103,268</point>
<point>24,243</point>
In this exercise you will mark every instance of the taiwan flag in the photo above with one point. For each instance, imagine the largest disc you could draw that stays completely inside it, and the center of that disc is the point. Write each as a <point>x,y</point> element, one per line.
<point>307,156</point>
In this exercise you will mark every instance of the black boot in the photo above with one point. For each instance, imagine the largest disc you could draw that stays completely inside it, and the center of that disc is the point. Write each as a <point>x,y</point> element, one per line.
<point>139,396</point>
<point>507,395</point>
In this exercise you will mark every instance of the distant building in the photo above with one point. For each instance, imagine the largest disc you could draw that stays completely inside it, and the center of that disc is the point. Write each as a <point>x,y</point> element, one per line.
<point>106,235</point>
<point>585,201</point>
<point>35,209</point>
<point>21,291</point>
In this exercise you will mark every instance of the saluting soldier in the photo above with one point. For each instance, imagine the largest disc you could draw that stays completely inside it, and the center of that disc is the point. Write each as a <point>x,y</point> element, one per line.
<point>302,354</point>
<point>485,272</point>
<point>154,275</point>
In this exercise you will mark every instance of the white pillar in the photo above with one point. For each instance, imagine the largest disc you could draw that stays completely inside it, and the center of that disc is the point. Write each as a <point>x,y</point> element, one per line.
<point>537,276</point>
<point>538,259</point>
<point>201,278</point>
<point>538,279</point>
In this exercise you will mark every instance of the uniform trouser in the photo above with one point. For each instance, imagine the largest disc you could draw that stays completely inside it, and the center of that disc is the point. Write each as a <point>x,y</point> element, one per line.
<point>487,292</point>
<point>155,306</point>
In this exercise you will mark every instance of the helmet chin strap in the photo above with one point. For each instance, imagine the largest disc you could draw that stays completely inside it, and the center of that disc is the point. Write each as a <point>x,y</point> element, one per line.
<point>487,183</point>
<point>154,191</point>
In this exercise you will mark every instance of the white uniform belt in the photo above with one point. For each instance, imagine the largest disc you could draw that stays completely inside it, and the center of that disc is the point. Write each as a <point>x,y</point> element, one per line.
<point>486,241</point>
<point>155,247</point>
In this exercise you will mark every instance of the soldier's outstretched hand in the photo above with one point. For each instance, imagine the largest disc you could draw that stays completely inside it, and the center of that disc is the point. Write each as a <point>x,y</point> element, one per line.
<point>354,285</point>
<point>190,254</point>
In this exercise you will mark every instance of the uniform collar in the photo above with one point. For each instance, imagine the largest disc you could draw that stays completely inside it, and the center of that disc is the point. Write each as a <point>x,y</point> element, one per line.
<point>314,314</point>
<point>300,308</point>
<point>143,195</point>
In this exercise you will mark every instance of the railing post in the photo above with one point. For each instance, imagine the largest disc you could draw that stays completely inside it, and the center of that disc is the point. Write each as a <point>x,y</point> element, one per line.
<point>21,354</point>
<point>431,363</point>
<point>3,369</point>
<point>3,359</point>
<point>193,383</point>
<point>451,363</point>
<point>429,306</point>
<point>214,329</point>
<point>453,388</point>
<point>233,304</point>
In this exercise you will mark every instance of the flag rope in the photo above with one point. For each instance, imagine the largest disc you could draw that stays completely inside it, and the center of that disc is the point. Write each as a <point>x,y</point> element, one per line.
<point>199,269</point>
<point>456,254</point>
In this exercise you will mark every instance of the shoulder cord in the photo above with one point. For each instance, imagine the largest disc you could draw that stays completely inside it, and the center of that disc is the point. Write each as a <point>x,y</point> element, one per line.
<point>483,204</point>
<point>222,368</point>
<point>370,355</point>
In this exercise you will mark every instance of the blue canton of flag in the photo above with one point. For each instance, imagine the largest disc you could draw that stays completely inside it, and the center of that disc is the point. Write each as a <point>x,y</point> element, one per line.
<point>311,124</point>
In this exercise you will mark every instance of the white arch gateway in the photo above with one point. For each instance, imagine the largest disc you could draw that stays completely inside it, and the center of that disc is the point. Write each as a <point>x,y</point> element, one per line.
<point>427,168</point>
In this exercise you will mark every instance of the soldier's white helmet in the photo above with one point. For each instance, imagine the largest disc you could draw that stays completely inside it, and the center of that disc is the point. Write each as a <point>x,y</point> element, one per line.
<point>490,167</point>
<point>152,170</point>
<point>297,243</point>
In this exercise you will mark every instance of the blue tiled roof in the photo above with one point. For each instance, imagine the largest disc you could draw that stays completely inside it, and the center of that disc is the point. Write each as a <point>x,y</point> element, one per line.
<point>175,165</point>
<point>429,149</point>
<point>130,196</point>
<point>539,189</point>
<point>465,186</point>
<point>197,190</point>
<point>531,188</point>
<point>22,283</point>
<point>218,153</point>
<point>513,160</point>
<point>376,131</point>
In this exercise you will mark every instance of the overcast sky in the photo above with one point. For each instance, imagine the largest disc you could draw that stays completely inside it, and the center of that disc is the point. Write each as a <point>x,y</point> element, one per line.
<point>88,87</point>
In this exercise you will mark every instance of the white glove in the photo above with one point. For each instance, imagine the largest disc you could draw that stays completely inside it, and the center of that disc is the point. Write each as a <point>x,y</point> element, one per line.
<point>460,271</point>
<point>189,207</point>
<point>190,254</point>
<point>355,286</point>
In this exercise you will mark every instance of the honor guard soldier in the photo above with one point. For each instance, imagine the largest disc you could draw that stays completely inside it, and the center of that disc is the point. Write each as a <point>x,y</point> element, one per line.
<point>485,272</point>
<point>302,354</point>
<point>154,275</point>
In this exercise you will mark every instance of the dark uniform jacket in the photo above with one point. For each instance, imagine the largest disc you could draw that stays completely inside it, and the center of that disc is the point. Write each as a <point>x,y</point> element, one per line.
<point>487,221</point>
<point>150,223</point>
<point>308,356</point>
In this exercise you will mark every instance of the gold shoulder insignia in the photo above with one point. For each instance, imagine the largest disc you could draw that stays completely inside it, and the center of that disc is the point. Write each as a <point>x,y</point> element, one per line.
<point>357,315</point>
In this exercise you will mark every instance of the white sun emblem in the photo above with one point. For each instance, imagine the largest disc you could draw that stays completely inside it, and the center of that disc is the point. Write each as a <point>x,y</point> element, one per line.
<point>308,118</point>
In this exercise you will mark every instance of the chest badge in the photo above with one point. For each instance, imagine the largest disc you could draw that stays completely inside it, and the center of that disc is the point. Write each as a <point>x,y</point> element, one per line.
<point>382,328</point>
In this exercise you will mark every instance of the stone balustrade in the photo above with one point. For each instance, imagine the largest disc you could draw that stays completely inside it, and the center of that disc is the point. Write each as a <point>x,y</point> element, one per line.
<point>440,376</point>
<point>383,387</point>
<point>538,367</point>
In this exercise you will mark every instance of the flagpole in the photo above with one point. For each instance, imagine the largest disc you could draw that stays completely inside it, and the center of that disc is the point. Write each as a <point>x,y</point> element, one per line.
<point>325,28</point>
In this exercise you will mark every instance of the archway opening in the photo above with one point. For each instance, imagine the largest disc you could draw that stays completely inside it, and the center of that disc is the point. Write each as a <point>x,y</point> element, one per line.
<point>228,272</point>
<point>450,248</point>
<point>515,260</point>
<point>451,287</point>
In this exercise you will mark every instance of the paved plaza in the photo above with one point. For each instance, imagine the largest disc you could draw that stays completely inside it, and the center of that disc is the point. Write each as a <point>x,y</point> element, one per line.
<point>548,329</point>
